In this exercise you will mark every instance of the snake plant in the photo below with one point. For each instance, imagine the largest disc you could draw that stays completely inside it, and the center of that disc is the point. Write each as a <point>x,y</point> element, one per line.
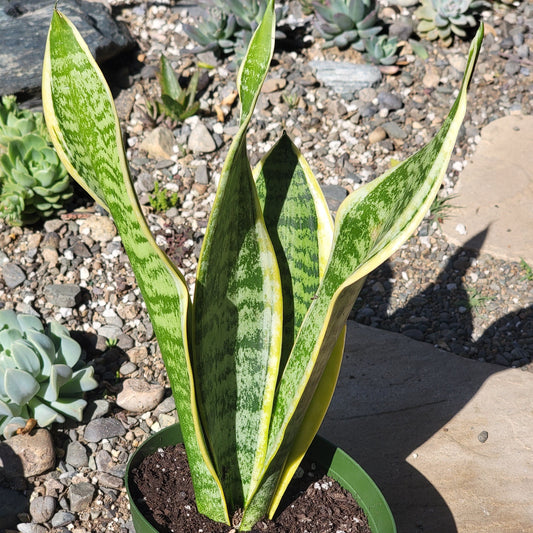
<point>254,357</point>
<point>40,373</point>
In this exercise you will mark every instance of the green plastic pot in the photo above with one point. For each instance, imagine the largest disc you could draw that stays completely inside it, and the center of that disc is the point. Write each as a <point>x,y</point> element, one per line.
<point>340,466</point>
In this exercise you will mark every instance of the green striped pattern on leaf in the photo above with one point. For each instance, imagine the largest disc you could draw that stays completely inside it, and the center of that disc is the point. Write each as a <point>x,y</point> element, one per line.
<point>300,228</point>
<point>237,326</point>
<point>82,120</point>
<point>371,224</point>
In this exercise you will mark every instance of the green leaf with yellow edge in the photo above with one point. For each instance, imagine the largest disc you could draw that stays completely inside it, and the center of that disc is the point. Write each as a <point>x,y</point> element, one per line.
<point>85,130</point>
<point>237,326</point>
<point>371,224</point>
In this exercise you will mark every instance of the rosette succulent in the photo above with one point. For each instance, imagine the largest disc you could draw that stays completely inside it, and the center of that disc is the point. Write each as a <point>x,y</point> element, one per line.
<point>381,49</point>
<point>34,183</point>
<point>40,373</point>
<point>441,19</point>
<point>16,122</point>
<point>345,23</point>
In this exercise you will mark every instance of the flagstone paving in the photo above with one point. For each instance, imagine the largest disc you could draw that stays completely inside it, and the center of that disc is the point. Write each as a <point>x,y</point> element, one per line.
<point>447,439</point>
<point>495,192</point>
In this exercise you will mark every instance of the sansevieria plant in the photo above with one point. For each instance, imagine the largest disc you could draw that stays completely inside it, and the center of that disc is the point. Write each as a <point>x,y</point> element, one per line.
<point>253,359</point>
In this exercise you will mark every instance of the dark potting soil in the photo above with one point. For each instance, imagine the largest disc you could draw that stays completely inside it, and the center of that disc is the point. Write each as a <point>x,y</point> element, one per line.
<point>313,503</point>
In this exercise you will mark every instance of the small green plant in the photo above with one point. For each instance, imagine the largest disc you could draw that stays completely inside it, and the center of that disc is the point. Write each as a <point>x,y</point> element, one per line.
<point>41,375</point>
<point>291,99</point>
<point>111,342</point>
<point>442,19</point>
<point>162,200</point>
<point>33,181</point>
<point>345,23</point>
<point>254,357</point>
<point>476,300</point>
<point>176,102</point>
<point>381,49</point>
<point>528,271</point>
<point>441,207</point>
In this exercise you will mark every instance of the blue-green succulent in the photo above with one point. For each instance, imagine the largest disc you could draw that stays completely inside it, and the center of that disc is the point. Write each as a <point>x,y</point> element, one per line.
<point>41,375</point>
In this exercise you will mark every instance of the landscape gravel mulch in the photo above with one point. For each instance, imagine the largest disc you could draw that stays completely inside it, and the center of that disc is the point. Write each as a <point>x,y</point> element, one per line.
<point>73,268</point>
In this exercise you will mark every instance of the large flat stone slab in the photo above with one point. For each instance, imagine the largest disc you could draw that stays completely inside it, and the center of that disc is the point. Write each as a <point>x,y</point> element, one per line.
<point>23,30</point>
<point>447,439</point>
<point>495,192</point>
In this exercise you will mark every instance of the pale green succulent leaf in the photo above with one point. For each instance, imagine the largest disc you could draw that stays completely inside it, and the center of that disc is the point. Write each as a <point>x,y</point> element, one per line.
<point>45,415</point>
<point>28,322</point>
<point>10,426</point>
<point>81,380</point>
<point>85,130</point>
<point>8,320</point>
<point>70,407</point>
<point>20,386</point>
<point>25,357</point>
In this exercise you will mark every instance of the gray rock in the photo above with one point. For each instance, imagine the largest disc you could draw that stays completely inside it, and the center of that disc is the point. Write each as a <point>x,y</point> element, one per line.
<point>109,331</point>
<point>42,508</point>
<point>31,528</point>
<point>127,368</point>
<point>139,396</point>
<point>346,78</point>
<point>23,30</point>
<point>12,503</point>
<point>334,195</point>
<point>368,110</point>
<point>62,295</point>
<point>62,518</point>
<point>394,131</point>
<point>201,140</point>
<point>77,455</point>
<point>103,428</point>
<point>13,275</point>
<point>390,101</point>
<point>201,175</point>
<point>402,28</point>
<point>108,481</point>
<point>159,143</point>
<point>96,409</point>
<point>80,496</point>
<point>34,453</point>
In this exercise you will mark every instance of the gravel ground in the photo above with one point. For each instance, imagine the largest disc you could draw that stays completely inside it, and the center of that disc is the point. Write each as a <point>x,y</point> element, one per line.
<point>73,268</point>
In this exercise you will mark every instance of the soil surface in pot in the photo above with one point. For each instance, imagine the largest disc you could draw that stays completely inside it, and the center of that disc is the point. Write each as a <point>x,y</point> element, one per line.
<point>314,503</point>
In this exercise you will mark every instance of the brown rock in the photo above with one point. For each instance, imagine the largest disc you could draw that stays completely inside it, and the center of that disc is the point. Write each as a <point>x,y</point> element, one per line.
<point>27,455</point>
<point>379,134</point>
<point>139,396</point>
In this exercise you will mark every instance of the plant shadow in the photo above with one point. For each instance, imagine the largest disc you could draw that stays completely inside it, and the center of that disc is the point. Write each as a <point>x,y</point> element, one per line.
<point>393,395</point>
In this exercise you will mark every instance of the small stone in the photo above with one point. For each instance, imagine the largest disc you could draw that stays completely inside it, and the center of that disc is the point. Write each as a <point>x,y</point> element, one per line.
<point>31,528</point>
<point>62,518</point>
<point>109,481</point>
<point>138,354</point>
<point>35,452</point>
<point>167,405</point>
<point>334,195</point>
<point>272,85</point>
<point>390,101</point>
<point>103,428</point>
<point>63,294</point>
<point>98,227</point>
<point>394,131</point>
<point>166,420</point>
<point>458,62</point>
<point>50,256</point>
<point>201,175</point>
<point>76,455</point>
<point>200,140</point>
<point>13,275</point>
<point>96,409</point>
<point>377,135</point>
<point>80,496</point>
<point>42,508</point>
<point>483,436</point>
<point>79,249</point>
<point>402,28</point>
<point>512,68</point>
<point>127,368</point>
<point>139,396</point>
<point>432,77</point>
<point>159,143</point>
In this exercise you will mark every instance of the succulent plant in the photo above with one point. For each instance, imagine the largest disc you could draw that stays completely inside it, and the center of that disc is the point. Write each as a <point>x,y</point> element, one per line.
<point>176,102</point>
<point>16,122</point>
<point>347,22</point>
<point>229,26</point>
<point>441,19</point>
<point>40,373</point>
<point>381,49</point>
<point>34,183</point>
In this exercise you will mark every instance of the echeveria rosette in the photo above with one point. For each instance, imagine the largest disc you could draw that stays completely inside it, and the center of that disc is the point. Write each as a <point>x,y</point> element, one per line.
<point>16,122</point>
<point>41,375</point>
<point>345,23</point>
<point>442,19</point>
<point>33,181</point>
<point>253,359</point>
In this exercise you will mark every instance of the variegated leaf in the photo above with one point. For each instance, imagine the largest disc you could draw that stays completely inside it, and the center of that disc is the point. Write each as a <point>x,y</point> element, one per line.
<point>237,327</point>
<point>85,130</point>
<point>371,224</point>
